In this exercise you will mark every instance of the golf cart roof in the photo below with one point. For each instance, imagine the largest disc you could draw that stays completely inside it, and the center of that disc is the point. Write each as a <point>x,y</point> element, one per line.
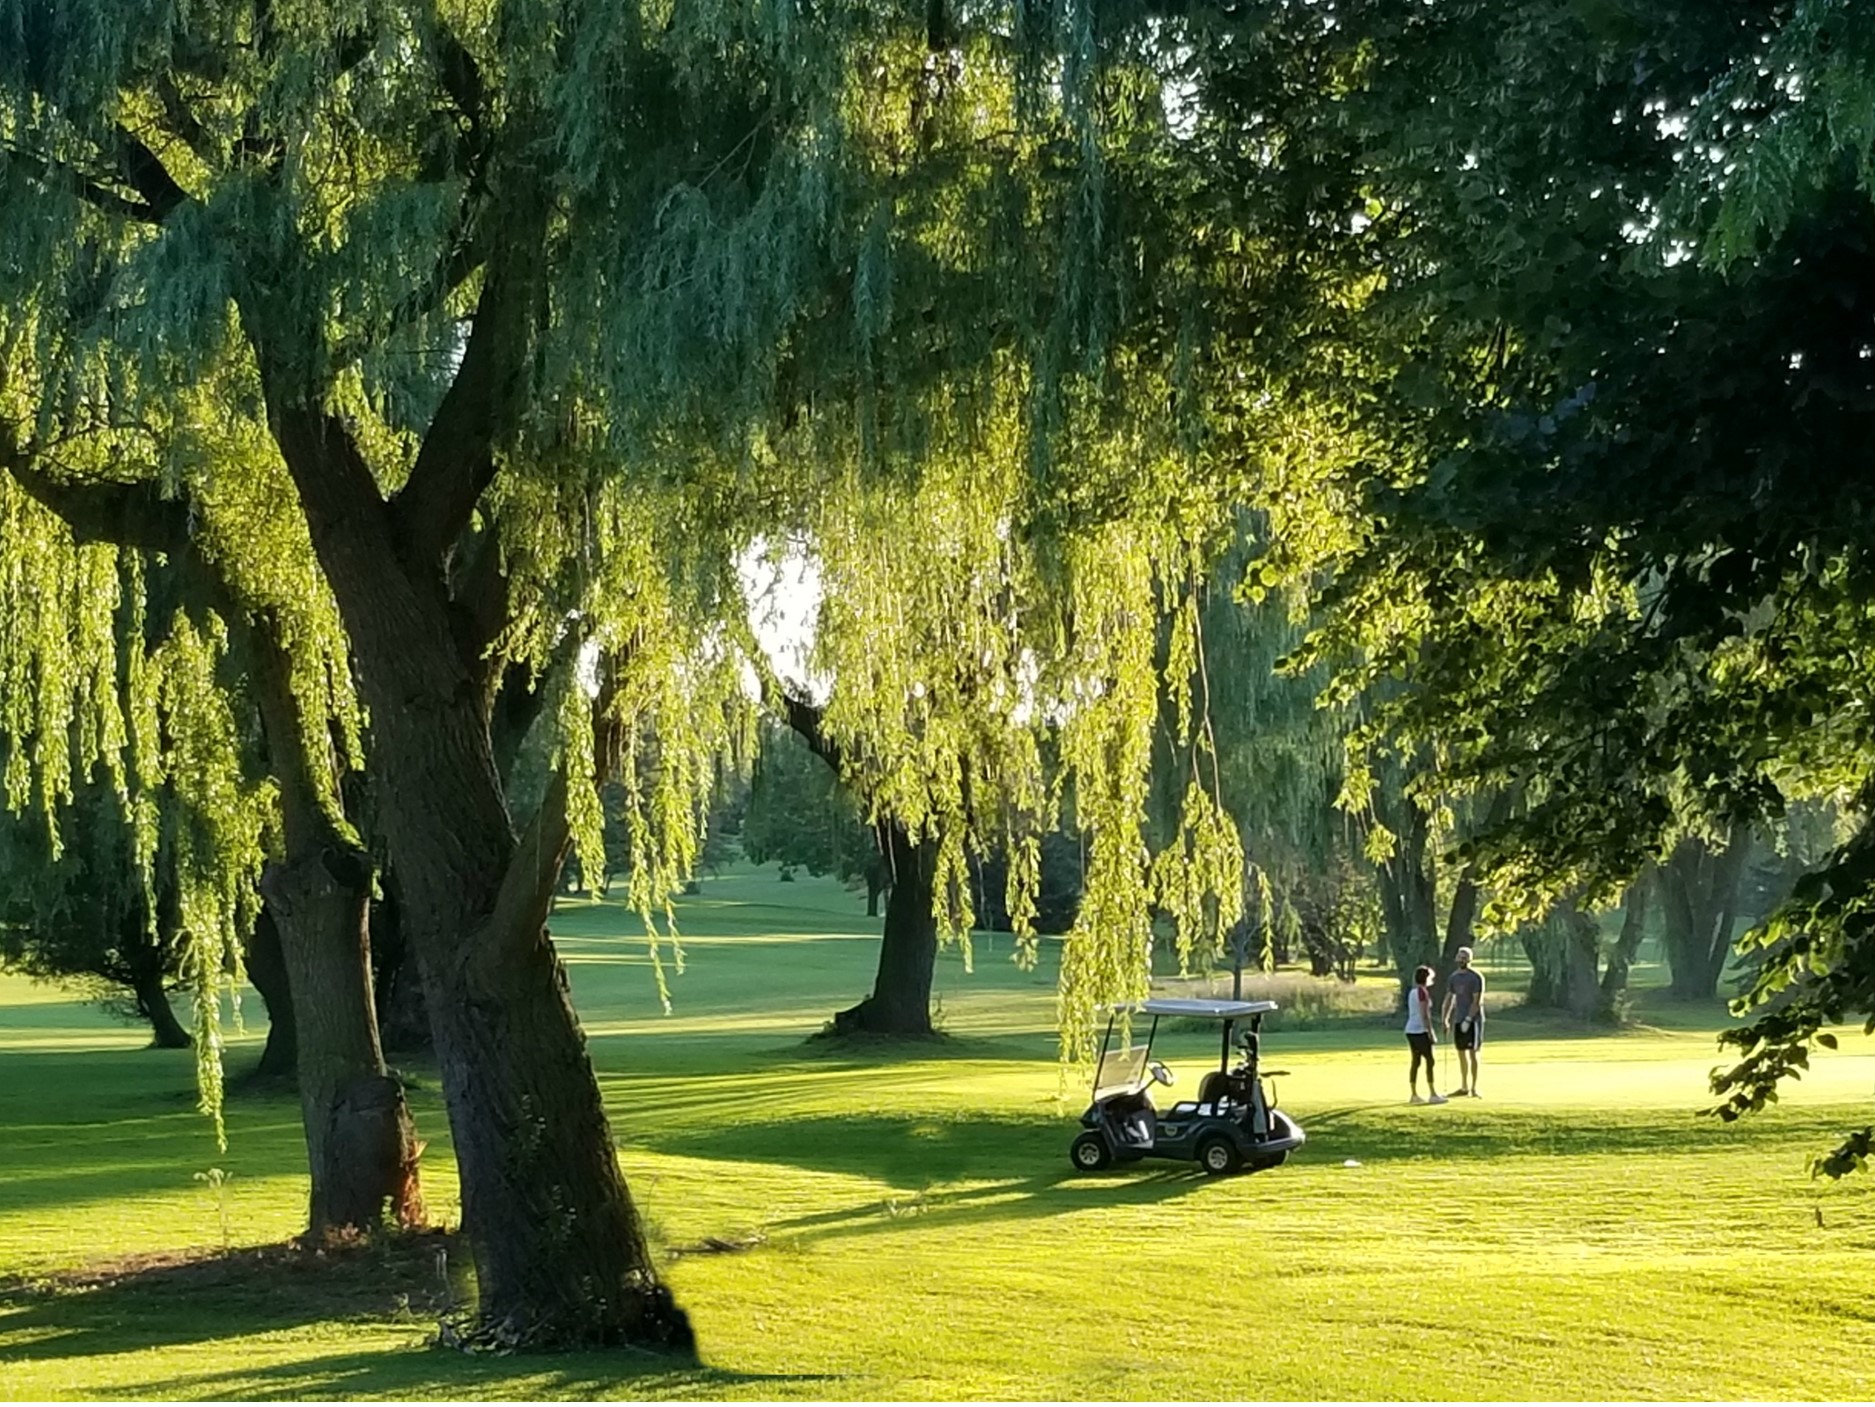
<point>1201,1007</point>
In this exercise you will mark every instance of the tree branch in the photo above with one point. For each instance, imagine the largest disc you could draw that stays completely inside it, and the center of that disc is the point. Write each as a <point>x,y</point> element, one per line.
<point>786,704</point>
<point>461,77</point>
<point>93,193</point>
<point>526,896</point>
<point>467,248</point>
<point>806,720</point>
<point>101,511</point>
<point>180,119</point>
<point>457,459</point>
<point>144,172</point>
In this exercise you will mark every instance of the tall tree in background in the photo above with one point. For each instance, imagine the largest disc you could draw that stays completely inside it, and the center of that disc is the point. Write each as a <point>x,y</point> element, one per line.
<point>1699,887</point>
<point>85,915</point>
<point>799,815</point>
<point>900,865</point>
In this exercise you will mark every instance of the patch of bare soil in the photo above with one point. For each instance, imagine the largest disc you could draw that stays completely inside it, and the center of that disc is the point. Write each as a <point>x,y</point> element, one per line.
<point>394,1273</point>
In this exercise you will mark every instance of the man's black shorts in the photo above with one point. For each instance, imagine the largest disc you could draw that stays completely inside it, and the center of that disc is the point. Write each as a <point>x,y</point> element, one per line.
<point>1467,1035</point>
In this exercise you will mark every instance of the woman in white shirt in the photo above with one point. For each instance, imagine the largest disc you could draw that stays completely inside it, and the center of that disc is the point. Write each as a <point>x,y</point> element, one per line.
<point>1419,1033</point>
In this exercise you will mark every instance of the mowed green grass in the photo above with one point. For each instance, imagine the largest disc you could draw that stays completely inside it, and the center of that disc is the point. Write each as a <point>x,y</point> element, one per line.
<point>914,1230</point>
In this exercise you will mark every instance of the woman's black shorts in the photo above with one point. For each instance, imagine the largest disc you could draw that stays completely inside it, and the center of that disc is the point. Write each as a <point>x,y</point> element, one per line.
<point>1421,1043</point>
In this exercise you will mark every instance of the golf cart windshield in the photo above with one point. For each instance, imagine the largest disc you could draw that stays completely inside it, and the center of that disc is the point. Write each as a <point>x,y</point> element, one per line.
<point>1121,1070</point>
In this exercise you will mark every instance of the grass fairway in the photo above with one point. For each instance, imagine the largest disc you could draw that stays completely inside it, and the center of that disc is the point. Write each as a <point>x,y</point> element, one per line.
<point>851,1224</point>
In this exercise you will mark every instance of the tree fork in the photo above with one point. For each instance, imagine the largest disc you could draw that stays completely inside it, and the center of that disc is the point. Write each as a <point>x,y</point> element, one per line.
<point>560,1256</point>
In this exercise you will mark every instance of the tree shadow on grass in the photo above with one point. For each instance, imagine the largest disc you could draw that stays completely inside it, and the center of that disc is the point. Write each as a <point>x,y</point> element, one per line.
<point>1014,1199</point>
<point>911,1151</point>
<point>434,1374</point>
<point>149,1303</point>
<point>980,1168</point>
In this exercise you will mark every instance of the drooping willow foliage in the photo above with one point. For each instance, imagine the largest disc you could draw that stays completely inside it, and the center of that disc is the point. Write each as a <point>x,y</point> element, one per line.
<point>94,690</point>
<point>122,653</point>
<point>905,284</point>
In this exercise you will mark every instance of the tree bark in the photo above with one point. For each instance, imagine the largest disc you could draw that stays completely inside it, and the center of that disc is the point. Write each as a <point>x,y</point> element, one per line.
<point>403,1018</point>
<point>900,1003</point>
<point>361,1146</point>
<point>1699,900</point>
<point>1462,921</point>
<point>266,969</point>
<point>1611,1006</point>
<point>166,1032</point>
<point>361,1143</point>
<point>559,1251</point>
<point>1408,900</point>
<point>1565,955</point>
<point>1582,992</point>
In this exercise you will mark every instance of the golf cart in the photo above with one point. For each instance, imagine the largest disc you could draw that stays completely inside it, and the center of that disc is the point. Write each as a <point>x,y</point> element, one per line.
<point>1232,1124</point>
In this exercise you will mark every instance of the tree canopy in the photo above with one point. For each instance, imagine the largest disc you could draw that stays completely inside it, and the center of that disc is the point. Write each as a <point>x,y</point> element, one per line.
<point>470,327</point>
<point>1608,554</point>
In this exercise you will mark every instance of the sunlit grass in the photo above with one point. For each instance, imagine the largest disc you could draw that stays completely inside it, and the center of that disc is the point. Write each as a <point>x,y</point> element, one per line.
<point>915,1230</point>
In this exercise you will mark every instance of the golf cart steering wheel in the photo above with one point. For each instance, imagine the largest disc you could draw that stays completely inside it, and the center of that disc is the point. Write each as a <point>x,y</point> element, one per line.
<point>1160,1073</point>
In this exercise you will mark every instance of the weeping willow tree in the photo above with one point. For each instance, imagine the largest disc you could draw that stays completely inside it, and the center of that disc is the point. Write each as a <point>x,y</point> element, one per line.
<point>547,310</point>
<point>234,564</point>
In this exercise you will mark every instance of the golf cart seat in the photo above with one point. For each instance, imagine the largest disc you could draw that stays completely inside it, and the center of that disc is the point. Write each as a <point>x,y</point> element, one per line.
<point>1222,1086</point>
<point>1189,1108</point>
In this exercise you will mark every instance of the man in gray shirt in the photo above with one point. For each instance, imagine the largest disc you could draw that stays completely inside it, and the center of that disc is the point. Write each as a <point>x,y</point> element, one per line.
<point>1464,1018</point>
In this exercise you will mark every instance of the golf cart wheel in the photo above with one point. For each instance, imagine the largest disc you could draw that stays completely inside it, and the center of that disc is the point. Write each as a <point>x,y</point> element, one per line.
<point>1218,1156</point>
<point>1269,1160</point>
<point>1089,1153</point>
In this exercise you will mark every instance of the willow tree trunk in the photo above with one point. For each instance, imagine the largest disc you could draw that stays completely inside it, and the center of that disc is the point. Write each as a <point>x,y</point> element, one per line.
<point>559,1252</point>
<point>361,1145</point>
<point>1462,921</point>
<point>266,969</point>
<point>560,1255</point>
<point>1565,954</point>
<point>900,1003</point>
<point>1408,894</point>
<point>906,872</point>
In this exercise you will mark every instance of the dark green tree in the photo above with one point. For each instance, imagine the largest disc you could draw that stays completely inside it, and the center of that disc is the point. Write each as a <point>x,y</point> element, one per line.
<point>86,915</point>
<point>1619,324</point>
<point>799,815</point>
